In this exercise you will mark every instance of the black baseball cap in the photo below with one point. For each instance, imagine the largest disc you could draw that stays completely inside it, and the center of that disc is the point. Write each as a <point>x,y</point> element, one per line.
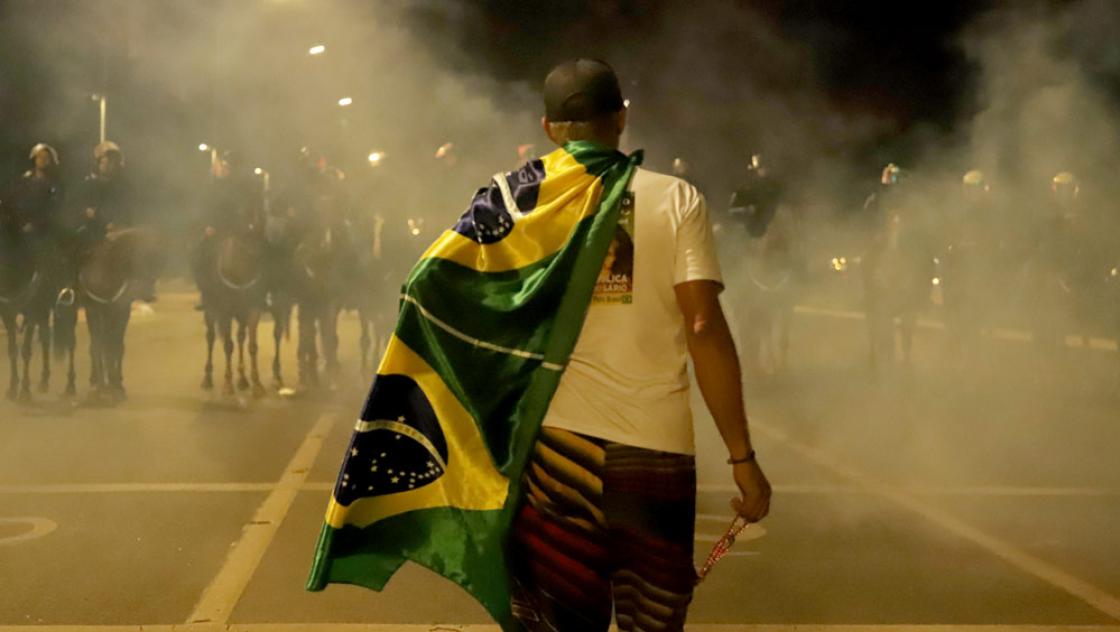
<point>581,90</point>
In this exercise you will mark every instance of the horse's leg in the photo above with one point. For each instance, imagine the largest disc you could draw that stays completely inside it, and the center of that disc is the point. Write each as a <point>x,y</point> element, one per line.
<point>906,334</point>
<point>13,355</point>
<point>279,323</point>
<point>93,319</point>
<point>878,328</point>
<point>226,327</point>
<point>119,326</point>
<point>308,360</point>
<point>254,347</point>
<point>208,370</point>
<point>71,374</point>
<point>330,337</point>
<point>28,345</point>
<point>242,334</point>
<point>366,323</point>
<point>45,347</point>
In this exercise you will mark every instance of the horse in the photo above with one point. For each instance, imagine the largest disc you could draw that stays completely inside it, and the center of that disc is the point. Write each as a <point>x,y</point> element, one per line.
<point>898,270</point>
<point>321,260</point>
<point>772,267</point>
<point>237,297</point>
<point>280,283</point>
<point>25,291</point>
<point>106,289</point>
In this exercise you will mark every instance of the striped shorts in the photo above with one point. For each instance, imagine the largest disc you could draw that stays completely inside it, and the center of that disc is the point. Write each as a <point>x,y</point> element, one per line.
<point>604,526</point>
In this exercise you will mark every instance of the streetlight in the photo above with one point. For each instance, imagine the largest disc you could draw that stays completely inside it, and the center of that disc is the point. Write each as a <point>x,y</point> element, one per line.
<point>203,147</point>
<point>345,101</point>
<point>375,158</point>
<point>317,49</point>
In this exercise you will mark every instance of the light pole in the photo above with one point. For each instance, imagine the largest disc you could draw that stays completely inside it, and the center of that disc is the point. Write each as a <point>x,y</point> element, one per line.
<point>103,106</point>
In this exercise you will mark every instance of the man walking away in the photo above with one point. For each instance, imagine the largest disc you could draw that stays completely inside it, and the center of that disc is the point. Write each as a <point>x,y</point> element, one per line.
<point>611,489</point>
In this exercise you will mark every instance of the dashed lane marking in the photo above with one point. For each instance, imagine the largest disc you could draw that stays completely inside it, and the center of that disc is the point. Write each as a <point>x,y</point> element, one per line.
<point>1047,572</point>
<point>223,593</point>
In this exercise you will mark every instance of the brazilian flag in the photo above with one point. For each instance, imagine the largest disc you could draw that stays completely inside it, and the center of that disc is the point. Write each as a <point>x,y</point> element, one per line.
<point>487,321</point>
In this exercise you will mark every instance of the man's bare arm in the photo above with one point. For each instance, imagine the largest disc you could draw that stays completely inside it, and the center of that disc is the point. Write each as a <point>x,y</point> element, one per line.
<point>716,364</point>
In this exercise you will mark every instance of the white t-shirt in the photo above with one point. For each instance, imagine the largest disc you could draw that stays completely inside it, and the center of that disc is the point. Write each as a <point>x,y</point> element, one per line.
<point>627,380</point>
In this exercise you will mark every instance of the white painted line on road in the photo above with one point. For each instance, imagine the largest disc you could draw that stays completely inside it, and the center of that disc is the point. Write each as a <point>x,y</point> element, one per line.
<point>1047,572</point>
<point>932,490</point>
<point>713,488</point>
<point>448,627</point>
<point>1016,335</point>
<point>846,314</point>
<point>40,527</point>
<point>223,593</point>
<point>115,488</point>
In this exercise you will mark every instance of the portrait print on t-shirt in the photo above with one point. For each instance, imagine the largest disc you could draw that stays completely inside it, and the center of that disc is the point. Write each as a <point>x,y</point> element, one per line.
<point>615,285</point>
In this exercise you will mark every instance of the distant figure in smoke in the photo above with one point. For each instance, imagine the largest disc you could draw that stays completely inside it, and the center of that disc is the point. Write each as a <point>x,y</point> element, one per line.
<point>756,200</point>
<point>897,268</point>
<point>771,262</point>
<point>970,257</point>
<point>1068,266</point>
<point>683,170</point>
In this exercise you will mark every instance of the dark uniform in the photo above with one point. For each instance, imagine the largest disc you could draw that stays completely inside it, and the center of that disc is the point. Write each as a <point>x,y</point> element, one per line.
<point>35,205</point>
<point>754,203</point>
<point>229,204</point>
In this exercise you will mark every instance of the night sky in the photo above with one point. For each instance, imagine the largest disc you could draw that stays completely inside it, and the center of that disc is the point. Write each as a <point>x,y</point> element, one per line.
<point>901,66</point>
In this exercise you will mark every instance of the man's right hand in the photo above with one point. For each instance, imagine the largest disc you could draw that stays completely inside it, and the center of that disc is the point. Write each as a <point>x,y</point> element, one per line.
<point>755,489</point>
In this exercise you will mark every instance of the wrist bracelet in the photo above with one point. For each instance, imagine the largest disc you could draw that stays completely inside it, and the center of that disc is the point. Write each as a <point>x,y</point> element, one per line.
<point>746,459</point>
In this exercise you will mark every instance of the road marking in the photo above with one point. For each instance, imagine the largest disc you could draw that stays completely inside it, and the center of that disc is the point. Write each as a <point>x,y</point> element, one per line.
<point>40,527</point>
<point>1075,341</point>
<point>708,488</point>
<point>123,488</point>
<point>1047,572</point>
<point>223,593</point>
<point>931,490</point>
<point>752,532</point>
<point>447,627</point>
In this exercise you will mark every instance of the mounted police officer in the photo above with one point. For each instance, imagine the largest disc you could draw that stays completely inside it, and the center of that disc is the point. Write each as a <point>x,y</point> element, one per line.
<point>226,201</point>
<point>35,205</point>
<point>107,203</point>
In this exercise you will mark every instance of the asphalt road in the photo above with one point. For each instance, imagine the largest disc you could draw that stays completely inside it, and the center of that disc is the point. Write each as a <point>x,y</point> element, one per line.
<point>922,496</point>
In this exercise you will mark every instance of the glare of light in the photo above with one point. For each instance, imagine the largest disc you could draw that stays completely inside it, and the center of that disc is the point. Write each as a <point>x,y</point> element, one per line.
<point>444,150</point>
<point>95,97</point>
<point>1115,272</point>
<point>375,158</point>
<point>317,49</point>
<point>258,171</point>
<point>203,147</point>
<point>936,281</point>
<point>626,103</point>
<point>345,101</point>
<point>840,264</point>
